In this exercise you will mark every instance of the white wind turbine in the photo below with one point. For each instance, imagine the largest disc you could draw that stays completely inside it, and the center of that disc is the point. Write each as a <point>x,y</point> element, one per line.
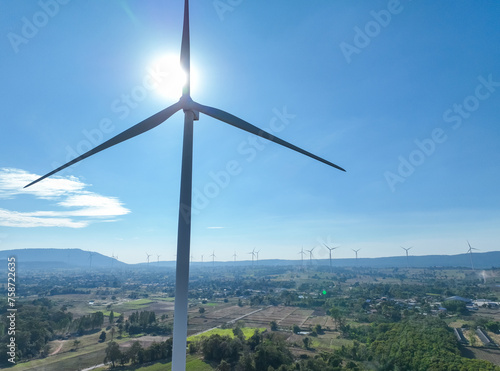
<point>253,254</point>
<point>330,251</point>
<point>406,249</point>
<point>213,259</point>
<point>302,253</point>
<point>470,254</point>
<point>148,255</point>
<point>191,110</point>
<point>311,255</point>
<point>356,252</point>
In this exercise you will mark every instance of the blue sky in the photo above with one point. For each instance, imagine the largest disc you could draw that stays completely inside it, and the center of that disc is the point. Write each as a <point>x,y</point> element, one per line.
<point>405,95</point>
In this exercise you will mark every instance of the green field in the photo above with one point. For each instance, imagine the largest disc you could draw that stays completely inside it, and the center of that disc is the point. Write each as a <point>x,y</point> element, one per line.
<point>138,304</point>
<point>247,331</point>
<point>192,364</point>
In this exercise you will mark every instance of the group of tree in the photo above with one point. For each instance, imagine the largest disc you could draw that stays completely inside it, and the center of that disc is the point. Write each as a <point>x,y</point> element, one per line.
<point>89,322</point>
<point>146,322</point>
<point>136,354</point>
<point>36,323</point>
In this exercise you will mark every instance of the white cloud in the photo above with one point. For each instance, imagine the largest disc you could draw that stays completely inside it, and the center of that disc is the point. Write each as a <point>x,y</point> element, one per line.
<point>75,207</point>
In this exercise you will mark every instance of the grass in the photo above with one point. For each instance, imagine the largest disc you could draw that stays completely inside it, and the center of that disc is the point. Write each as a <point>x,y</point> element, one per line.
<point>134,305</point>
<point>108,312</point>
<point>247,332</point>
<point>192,364</point>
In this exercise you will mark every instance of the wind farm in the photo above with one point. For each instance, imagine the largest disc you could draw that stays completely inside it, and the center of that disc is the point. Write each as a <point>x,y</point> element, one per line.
<point>416,213</point>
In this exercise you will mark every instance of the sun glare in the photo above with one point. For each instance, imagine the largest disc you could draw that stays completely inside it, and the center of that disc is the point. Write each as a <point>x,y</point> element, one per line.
<point>168,78</point>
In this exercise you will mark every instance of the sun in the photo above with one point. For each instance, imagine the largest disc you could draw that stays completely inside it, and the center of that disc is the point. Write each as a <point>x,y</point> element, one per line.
<point>168,76</point>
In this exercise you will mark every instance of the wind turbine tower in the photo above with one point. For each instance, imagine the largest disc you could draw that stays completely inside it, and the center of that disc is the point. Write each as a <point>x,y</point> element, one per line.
<point>192,112</point>
<point>470,255</point>
<point>148,255</point>
<point>213,258</point>
<point>91,254</point>
<point>406,250</point>
<point>311,255</point>
<point>234,256</point>
<point>356,252</point>
<point>302,253</point>
<point>253,254</point>
<point>330,249</point>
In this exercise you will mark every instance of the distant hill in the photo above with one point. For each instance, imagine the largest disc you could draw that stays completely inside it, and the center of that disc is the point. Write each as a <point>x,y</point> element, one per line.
<point>59,258</point>
<point>76,258</point>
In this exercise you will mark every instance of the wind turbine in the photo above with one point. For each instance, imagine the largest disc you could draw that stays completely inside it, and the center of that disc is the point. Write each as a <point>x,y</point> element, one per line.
<point>148,255</point>
<point>356,252</point>
<point>192,111</point>
<point>90,258</point>
<point>302,253</point>
<point>213,259</point>
<point>202,258</point>
<point>470,254</point>
<point>158,259</point>
<point>257,256</point>
<point>234,256</point>
<point>407,249</point>
<point>330,250</point>
<point>311,254</point>
<point>253,254</point>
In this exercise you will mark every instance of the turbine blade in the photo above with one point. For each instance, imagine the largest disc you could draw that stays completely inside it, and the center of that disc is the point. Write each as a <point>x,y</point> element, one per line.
<point>135,130</point>
<point>243,125</point>
<point>185,50</point>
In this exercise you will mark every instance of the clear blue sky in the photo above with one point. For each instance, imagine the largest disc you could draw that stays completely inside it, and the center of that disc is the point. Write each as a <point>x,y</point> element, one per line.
<point>404,95</point>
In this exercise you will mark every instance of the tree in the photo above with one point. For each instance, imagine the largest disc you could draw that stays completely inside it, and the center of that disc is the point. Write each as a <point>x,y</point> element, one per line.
<point>224,366</point>
<point>113,353</point>
<point>307,342</point>
<point>102,337</point>
<point>201,310</point>
<point>238,332</point>
<point>111,317</point>
<point>76,343</point>
<point>296,329</point>
<point>274,326</point>
<point>337,316</point>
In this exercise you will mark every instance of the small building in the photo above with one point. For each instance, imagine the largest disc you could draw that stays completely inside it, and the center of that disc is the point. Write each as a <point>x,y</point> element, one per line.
<point>459,298</point>
<point>460,335</point>
<point>485,338</point>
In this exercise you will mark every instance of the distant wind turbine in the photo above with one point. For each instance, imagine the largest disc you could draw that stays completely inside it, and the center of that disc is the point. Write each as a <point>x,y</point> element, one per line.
<point>158,259</point>
<point>356,252</point>
<point>311,254</point>
<point>213,258</point>
<point>234,256</point>
<point>202,258</point>
<point>470,254</point>
<point>148,255</point>
<point>91,253</point>
<point>330,251</point>
<point>257,256</point>
<point>302,253</point>
<point>253,254</point>
<point>407,249</point>
<point>191,110</point>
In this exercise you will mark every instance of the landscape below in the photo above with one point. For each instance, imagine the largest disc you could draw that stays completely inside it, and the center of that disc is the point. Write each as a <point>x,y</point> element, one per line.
<point>265,315</point>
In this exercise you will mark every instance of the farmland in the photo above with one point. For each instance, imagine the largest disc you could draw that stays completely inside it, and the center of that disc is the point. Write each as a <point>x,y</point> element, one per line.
<point>310,312</point>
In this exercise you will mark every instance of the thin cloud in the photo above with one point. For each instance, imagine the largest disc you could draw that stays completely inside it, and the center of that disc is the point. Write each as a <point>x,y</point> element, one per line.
<point>74,206</point>
<point>216,227</point>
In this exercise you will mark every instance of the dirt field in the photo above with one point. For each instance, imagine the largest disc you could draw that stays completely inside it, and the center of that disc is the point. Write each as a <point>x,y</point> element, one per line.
<point>491,355</point>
